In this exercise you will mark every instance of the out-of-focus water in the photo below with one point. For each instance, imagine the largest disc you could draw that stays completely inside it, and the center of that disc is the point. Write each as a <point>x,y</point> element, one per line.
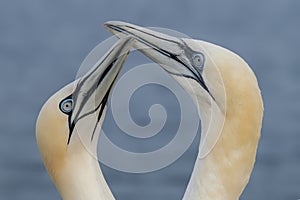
<point>42,44</point>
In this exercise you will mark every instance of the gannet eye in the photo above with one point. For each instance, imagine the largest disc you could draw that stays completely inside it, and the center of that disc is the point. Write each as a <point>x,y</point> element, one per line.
<point>66,106</point>
<point>198,60</point>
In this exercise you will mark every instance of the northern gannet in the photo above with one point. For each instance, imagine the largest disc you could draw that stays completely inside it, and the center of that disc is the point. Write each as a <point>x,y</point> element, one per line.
<point>68,127</point>
<point>229,104</point>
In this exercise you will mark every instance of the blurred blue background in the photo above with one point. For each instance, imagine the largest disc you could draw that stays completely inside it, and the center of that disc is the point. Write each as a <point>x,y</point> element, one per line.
<point>42,44</point>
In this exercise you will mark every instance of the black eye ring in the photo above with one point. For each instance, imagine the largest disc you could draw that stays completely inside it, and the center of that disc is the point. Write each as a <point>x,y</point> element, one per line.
<point>198,60</point>
<point>66,106</point>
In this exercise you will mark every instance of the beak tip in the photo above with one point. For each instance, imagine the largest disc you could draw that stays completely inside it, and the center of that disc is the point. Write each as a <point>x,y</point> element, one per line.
<point>114,23</point>
<point>112,26</point>
<point>107,25</point>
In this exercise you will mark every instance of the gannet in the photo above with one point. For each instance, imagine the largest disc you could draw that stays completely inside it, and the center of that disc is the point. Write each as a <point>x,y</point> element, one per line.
<point>229,104</point>
<point>68,127</point>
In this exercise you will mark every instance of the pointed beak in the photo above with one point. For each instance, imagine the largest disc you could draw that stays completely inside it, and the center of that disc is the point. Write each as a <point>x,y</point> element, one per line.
<point>170,52</point>
<point>93,89</point>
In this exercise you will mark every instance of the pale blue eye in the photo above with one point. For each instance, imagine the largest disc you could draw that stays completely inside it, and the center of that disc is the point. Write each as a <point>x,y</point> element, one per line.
<point>66,106</point>
<point>198,60</point>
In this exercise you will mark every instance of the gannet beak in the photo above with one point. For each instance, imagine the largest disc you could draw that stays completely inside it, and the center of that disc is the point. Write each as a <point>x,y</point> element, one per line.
<point>170,52</point>
<point>92,90</point>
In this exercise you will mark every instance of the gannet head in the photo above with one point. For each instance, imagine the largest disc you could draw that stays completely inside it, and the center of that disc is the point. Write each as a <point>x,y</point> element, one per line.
<point>78,107</point>
<point>208,67</point>
<point>183,58</point>
<point>228,98</point>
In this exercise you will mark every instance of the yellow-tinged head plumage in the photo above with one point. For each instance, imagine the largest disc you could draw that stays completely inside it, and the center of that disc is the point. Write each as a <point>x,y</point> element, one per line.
<point>52,130</point>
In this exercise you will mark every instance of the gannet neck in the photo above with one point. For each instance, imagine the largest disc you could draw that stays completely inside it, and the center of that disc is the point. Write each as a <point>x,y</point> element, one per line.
<point>80,177</point>
<point>225,171</point>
